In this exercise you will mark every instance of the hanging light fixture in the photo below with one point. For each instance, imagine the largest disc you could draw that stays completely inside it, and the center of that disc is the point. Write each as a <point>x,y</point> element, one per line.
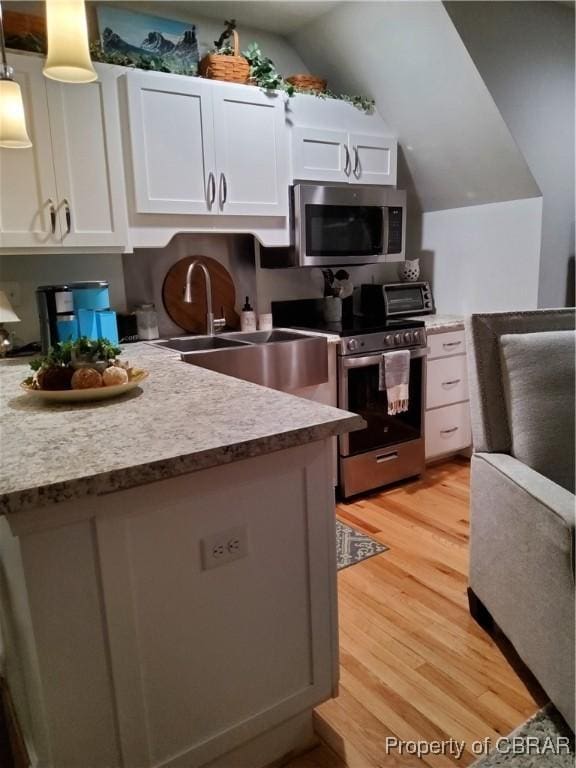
<point>13,133</point>
<point>68,57</point>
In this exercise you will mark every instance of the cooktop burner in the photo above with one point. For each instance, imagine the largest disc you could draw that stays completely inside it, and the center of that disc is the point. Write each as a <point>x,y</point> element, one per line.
<point>358,326</point>
<point>307,314</point>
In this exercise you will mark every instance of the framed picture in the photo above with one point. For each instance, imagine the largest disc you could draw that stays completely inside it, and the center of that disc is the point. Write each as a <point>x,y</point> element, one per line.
<point>25,32</point>
<point>140,38</point>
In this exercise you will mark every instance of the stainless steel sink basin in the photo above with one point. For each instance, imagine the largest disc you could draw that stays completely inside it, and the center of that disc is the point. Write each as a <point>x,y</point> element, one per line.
<point>283,360</point>
<point>200,343</point>
<point>266,337</point>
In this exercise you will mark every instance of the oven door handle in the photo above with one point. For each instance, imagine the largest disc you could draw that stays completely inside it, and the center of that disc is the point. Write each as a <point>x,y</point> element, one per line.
<point>374,358</point>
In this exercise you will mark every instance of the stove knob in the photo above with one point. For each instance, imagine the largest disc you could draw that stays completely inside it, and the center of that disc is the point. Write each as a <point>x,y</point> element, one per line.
<point>398,338</point>
<point>388,339</point>
<point>352,345</point>
<point>408,337</point>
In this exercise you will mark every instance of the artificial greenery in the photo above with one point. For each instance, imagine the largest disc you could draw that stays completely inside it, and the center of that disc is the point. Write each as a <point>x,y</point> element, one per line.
<point>263,73</point>
<point>140,61</point>
<point>62,354</point>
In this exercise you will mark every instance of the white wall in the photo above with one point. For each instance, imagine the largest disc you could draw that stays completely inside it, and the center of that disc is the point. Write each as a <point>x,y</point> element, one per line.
<point>483,258</point>
<point>410,58</point>
<point>31,271</point>
<point>525,54</point>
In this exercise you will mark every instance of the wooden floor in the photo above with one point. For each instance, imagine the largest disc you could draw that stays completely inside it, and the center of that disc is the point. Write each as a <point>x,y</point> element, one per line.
<point>414,664</point>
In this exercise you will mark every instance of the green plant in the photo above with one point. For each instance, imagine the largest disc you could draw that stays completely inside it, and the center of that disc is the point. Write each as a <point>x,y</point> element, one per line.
<point>137,61</point>
<point>263,72</point>
<point>64,351</point>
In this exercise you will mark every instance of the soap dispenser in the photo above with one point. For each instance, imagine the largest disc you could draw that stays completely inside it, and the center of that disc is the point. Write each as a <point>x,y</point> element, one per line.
<point>248,317</point>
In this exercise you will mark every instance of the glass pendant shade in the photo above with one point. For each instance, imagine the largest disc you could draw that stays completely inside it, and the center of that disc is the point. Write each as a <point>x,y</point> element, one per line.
<point>13,133</point>
<point>68,57</point>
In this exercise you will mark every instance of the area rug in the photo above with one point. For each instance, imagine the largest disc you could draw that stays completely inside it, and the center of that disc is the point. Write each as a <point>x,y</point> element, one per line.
<point>353,546</point>
<point>543,741</point>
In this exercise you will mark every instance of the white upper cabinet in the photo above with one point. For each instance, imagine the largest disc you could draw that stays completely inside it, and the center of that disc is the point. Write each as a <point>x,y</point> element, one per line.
<point>87,152</point>
<point>206,147</point>
<point>68,189</point>
<point>172,142</point>
<point>320,154</point>
<point>332,141</point>
<point>28,197</point>
<point>373,159</point>
<point>251,151</point>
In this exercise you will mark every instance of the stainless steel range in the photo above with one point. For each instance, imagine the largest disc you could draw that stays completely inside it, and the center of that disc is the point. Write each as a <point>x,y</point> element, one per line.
<point>390,448</point>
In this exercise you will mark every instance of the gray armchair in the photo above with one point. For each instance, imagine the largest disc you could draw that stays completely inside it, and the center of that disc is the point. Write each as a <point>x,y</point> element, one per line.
<point>522,489</point>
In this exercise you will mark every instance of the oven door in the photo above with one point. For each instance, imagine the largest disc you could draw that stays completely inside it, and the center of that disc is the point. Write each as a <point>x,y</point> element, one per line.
<point>358,392</point>
<point>338,226</point>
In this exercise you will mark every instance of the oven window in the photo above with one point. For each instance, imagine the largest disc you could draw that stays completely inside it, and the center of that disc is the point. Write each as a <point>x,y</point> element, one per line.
<point>404,298</point>
<point>383,430</point>
<point>344,230</point>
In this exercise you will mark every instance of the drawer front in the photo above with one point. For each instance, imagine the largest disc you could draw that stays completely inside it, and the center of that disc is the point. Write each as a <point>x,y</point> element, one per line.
<point>447,430</point>
<point>446,381</point>
<point>444,344</point>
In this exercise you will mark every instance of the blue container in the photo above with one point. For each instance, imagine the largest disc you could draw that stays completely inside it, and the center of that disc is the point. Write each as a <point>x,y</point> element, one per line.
<point>67,329</point>
<point>87,323</point>
<point>94,295</point>
<point>107,326</point>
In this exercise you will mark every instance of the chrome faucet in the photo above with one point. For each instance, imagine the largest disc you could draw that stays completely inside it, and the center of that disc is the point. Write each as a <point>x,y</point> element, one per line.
<point>212,325</point>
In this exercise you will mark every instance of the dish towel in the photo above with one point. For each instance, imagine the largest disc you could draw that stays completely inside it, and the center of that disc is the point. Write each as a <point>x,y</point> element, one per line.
<point>395,379</point>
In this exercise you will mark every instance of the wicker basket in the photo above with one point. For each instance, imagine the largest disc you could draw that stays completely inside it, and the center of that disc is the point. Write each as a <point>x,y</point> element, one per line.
<point>308,82</point>
<point>234,69</point>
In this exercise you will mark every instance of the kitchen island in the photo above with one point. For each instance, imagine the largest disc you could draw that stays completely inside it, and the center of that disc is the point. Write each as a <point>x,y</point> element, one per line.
<point>168,582</point>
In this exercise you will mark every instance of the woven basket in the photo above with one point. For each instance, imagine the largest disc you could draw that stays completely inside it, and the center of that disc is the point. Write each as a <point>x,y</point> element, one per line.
<point>308,82</point>
<point>234,69</point>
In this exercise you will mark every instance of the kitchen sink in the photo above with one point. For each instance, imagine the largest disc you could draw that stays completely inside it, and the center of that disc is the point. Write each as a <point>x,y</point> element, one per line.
<point>282,360</point>
<point>266,337</point>
<point>199,343</point>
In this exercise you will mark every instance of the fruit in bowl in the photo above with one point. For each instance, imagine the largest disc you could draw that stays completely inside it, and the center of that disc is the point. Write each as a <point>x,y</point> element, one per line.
<point>81,364</point>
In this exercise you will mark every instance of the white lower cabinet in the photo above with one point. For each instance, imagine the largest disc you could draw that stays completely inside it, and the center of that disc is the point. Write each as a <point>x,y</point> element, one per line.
<point>147,656</point>
<point>447,429</point>
<point>67,190</point>
<point>447,419</point>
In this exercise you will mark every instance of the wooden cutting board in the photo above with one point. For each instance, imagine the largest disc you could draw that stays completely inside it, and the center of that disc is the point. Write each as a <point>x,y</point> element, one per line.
<point>192,317</point>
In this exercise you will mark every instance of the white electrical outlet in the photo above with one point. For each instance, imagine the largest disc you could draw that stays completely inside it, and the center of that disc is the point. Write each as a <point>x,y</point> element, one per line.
<point>12,291</point>
<point>224,547</point>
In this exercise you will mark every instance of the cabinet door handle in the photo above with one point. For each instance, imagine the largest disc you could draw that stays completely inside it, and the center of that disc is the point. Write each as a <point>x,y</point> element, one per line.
<point>356,162</point>
<point>223,189</point>
<point>386,457</point>
<point>211,189</point>
<point>448,431</point>
<point>451,382</point>
<point>68,214</point>
<point>52,215</point>
<point>348,163</point>
<point>450,344</point>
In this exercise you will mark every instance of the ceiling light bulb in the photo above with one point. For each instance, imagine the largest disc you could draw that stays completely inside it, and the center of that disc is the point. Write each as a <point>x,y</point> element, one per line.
<point>68,57</point>
<point>13,133</point>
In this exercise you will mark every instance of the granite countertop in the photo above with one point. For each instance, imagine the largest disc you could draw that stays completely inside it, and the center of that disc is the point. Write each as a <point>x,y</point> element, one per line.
<point>185,418</point>
<point>441,323</point>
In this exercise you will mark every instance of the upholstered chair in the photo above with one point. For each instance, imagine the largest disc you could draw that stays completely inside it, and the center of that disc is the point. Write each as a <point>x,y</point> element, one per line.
<point>522,490</point>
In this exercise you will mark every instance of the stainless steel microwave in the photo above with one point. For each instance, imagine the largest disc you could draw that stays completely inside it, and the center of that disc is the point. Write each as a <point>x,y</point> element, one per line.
<point>345,225</point>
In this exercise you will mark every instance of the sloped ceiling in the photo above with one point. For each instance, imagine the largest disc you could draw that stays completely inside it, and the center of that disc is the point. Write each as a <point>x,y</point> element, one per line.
<point>410,58</point>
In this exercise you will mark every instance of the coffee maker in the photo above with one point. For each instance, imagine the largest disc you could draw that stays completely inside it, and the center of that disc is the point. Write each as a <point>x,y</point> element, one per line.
<point>71,310</point>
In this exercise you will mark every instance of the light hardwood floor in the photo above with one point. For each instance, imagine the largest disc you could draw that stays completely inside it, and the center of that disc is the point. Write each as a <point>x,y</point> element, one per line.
<point>414,664</point>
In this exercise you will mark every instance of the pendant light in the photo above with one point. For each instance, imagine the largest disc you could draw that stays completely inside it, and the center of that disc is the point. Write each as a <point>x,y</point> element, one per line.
<point>13,133</point>
<point>68,57</point>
